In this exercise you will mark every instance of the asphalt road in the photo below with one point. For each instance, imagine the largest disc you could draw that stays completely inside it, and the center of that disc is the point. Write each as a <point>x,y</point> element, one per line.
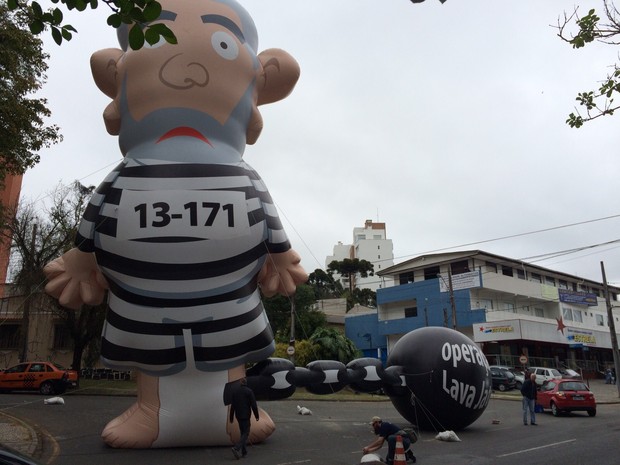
<point>333,435</point>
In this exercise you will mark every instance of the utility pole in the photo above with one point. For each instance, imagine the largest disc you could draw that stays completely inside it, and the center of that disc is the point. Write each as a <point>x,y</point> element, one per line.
<point>452,298</point>
<point>612,329</point>
<point>291,345</point>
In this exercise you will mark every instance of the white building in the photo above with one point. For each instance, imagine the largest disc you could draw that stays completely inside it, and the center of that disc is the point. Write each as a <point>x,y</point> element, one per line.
<point>514,310</point>
<point>370,243</point>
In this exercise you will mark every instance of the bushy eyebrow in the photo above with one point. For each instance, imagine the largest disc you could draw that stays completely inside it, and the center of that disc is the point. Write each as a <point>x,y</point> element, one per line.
<point>225,22</point>
<point>167,15</point>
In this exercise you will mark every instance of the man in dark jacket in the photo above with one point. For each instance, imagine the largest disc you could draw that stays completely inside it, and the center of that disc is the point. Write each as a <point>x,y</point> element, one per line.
<point>242,405</point>
<point>529,391</point>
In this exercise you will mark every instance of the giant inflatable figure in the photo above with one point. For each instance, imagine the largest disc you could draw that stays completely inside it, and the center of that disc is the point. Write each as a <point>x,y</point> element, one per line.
<point>183,231</point>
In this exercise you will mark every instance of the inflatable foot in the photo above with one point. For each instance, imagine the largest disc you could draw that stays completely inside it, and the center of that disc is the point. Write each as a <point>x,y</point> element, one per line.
<point>136,428</point>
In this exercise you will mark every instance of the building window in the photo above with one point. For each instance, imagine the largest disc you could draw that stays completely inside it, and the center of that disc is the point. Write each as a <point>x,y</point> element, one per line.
<point>567,313</point>
<point>9,336</point>
<point>506,270</point>
<point>539,312</point>
<point>487,304</point>
<point>491,266</point>
<point>411,312</point>
<point>577,316</point>
<point>536,277</point>
<point>597,292</point>
<point>520,273</point>
<point>459,267</point>
<point>62,337</point>
<point>550,281</point>
<point>405,278</point>
<point>562,284</point>
<point>508,307</point>
<point>600,321</point>
<point>431,272</point>
<point>583,288</point>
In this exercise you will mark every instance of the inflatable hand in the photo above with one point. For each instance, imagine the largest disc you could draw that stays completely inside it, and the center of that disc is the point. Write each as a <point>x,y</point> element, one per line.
<point>74,279</point>
<point>281,274</point>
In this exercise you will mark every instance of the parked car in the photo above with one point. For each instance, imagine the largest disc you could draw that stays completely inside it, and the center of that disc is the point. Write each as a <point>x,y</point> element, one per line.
<point>518,374</point>
<point>566,395</point>
<point>502,379</point>
<point>46,377</point>
<point>9,456</point>
<point>567,373</point>
<point>545,374</point>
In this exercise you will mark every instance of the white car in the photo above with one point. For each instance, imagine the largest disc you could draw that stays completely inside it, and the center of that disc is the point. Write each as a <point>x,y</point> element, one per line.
<point>545,374</point>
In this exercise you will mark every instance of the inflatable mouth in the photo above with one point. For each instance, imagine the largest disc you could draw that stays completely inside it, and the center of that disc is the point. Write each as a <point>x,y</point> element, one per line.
<point>184,131</point>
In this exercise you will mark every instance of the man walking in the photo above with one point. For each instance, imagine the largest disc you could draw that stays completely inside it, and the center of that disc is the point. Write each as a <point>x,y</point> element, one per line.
<point>243,404</point>
<point>529,392</point>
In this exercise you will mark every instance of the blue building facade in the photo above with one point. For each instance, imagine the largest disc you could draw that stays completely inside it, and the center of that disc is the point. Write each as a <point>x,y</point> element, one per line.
<point>424,305</point>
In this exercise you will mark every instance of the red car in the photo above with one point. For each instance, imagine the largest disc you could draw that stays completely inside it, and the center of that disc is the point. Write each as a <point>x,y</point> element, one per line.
<point>566,395</point>
<point>46,377</point>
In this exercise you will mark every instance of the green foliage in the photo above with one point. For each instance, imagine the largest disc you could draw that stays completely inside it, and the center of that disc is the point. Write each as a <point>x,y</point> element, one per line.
<point>351,267</point>
<point>22,73</point>
<point>305,352</point>
<point>590,29</point>
<point>324,285</point>
<point>137,14</point>
<point>332,344</point>
<point>307,319</point>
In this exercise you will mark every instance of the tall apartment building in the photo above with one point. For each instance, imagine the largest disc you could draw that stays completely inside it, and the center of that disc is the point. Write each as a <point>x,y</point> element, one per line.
<point>508,307</point>
<point>370,243</point>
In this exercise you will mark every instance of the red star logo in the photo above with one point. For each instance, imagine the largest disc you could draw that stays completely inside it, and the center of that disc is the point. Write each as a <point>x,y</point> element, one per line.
<point>481,328</point>
<point>561,325</point>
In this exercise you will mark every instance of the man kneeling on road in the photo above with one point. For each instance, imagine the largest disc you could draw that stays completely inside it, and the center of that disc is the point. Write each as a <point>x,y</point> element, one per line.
<point>388,431</point>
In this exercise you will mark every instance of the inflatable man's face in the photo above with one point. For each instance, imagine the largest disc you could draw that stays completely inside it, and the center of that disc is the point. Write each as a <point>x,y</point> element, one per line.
<point>213,69</point>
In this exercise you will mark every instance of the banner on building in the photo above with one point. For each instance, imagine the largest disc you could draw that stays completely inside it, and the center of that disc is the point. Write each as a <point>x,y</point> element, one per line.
<point>579,337</point>
<point>460,281</point>
<point>577,297</point>
<point>499,331</point>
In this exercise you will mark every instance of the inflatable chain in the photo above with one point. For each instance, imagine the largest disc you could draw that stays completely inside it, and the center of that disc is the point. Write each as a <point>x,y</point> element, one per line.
<point>277,378</point>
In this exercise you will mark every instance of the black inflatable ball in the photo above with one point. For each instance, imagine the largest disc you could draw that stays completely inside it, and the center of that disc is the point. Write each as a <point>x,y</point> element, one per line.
<point>447,383</point>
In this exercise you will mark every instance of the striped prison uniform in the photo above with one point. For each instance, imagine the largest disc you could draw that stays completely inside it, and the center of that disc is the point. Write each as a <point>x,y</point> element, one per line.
<point>181,245</point>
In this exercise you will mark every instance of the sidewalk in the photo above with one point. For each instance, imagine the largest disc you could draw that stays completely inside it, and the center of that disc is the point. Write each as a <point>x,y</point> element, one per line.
<point>603,393</point>
<point>17,434</point>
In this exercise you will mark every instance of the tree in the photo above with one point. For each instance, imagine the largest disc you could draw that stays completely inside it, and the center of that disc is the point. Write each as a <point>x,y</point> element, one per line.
<point>22,73</point>
<point>333,345</point>
<point>324,285</point>
<point>590,29</point>
<point>35,241</point>
<point>307,319</point>
<point>350,268</point>
<point>139,13</point>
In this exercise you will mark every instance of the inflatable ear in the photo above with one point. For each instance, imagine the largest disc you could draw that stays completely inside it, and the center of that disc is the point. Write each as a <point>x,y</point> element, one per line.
<point>277,80</point>
<point>103,65</point>
<point>280,74</point>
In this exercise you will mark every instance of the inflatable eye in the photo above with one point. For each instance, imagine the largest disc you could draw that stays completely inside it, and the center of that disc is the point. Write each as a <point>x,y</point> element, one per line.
<point>157,44</point>
<point>225,46</point>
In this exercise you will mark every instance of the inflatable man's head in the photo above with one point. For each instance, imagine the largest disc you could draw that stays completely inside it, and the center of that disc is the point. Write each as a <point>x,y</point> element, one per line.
<point>206,86</point>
